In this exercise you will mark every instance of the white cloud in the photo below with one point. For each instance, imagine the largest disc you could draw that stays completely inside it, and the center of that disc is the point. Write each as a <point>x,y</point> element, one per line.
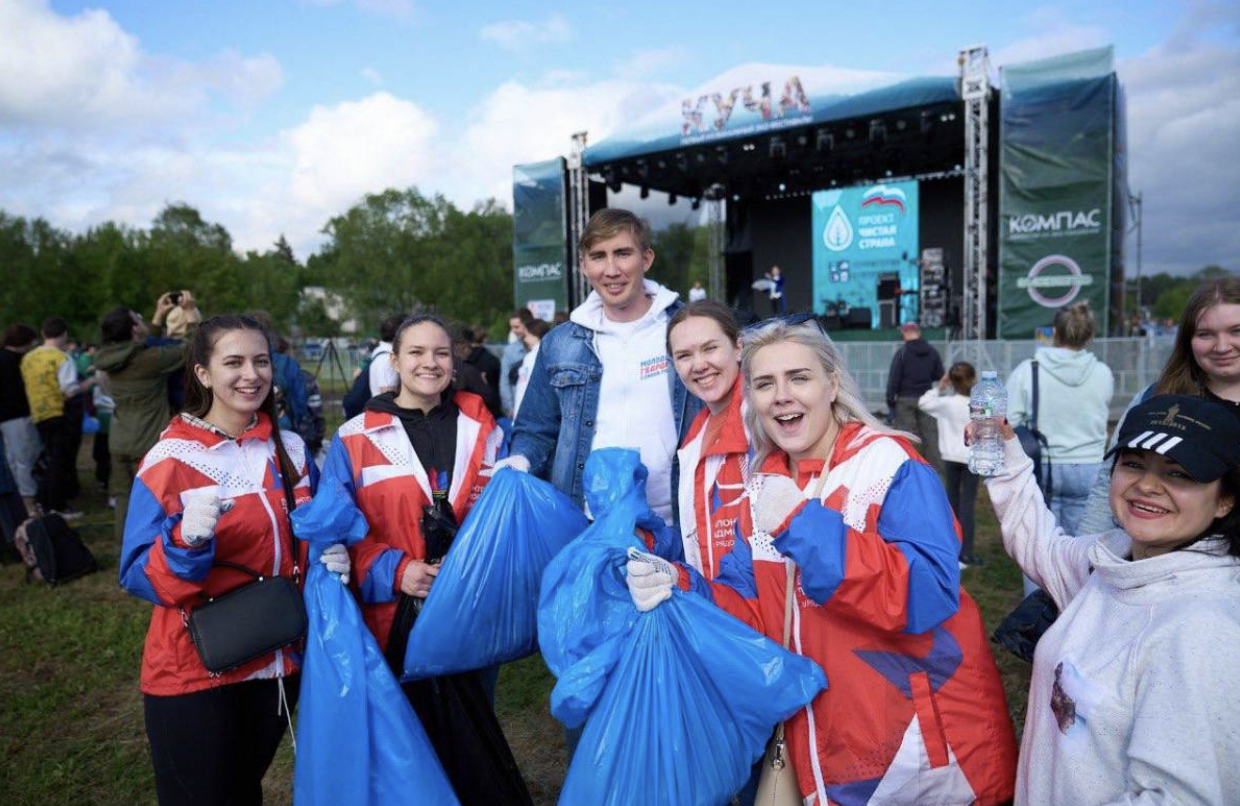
<point>373,76</point>
<point>520,35</point>
<point>344,151</point>
<point>1053,33</point>
<point>650,62</point>
<point>517,123</point>
<point>85,71</point>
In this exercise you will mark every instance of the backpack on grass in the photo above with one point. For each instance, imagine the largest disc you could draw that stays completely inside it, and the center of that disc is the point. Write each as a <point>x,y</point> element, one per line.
<point>53,551</point>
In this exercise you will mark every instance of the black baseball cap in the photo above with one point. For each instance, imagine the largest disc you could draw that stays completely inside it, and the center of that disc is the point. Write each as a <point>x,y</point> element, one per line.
<point>1201,435</point>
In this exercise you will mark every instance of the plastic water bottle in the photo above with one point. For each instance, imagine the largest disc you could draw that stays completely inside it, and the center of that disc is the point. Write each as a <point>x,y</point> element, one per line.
<point>987,408</point>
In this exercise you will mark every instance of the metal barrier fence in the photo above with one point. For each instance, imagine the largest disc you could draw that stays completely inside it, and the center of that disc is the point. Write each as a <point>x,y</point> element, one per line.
<point>1135,362</point>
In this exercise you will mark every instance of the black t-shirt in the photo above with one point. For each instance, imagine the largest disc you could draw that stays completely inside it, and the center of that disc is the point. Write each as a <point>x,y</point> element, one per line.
<point>1230,405</point>
<point>13,402</point>
<point>432,434</point>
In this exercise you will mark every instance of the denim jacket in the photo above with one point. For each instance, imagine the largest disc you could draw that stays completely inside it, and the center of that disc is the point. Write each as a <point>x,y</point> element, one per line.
<point>556,426</point>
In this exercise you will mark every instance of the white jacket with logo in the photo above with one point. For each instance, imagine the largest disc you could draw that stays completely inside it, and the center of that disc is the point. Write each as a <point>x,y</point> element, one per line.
<point>1135,696</point>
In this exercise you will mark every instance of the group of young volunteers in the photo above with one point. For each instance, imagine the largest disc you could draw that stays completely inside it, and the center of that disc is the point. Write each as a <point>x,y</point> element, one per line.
<point>782,474</point>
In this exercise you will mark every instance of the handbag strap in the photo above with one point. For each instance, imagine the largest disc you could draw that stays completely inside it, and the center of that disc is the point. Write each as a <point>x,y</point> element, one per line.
<point>790,591</point>
<point>1033,416</point>
<point>292,504</point>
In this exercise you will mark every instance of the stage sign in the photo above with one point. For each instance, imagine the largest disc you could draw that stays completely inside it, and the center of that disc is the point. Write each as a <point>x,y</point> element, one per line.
<point>1057,148</point>
<point>539,235</point>
<point>866,237</point>
<point>759,99</point>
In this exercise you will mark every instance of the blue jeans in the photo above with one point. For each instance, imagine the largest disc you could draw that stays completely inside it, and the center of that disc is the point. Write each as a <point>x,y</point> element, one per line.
<point>1071,484</point>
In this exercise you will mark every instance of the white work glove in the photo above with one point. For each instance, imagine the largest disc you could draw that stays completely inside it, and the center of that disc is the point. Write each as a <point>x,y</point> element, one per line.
<point>650,579</point>
<point>199,518</point>
<point>336,558</point>
<point>516,462</point>
<point>778,500</point>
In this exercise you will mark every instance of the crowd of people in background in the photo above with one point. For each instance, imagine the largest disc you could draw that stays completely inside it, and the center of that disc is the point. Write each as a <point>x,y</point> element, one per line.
<point>772,491</point>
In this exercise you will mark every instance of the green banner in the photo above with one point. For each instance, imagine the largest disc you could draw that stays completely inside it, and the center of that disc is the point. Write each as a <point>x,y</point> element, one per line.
<point>1057,146</point>
<point>539,237</point>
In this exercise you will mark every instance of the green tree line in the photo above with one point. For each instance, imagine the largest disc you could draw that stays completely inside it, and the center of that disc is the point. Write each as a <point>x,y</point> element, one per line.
<point>393,252</point>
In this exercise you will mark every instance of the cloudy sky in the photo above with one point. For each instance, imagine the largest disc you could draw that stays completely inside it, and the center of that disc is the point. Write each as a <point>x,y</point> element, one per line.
<point>272,116</point>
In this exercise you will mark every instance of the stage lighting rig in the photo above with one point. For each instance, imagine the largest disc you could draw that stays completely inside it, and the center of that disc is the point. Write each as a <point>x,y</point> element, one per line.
<point>671,199</point>
<point>645,194</point>
<point>825,140</point>
<point>779,149</point>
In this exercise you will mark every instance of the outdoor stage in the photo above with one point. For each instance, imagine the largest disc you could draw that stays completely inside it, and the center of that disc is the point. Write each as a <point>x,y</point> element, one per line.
<point>942,199</point>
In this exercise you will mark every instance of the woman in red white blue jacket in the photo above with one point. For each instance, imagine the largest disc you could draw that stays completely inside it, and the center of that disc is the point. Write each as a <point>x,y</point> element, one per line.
<point>211,491</point>
<point>914,710</point>
<point>703,339</point>
<point>414,462</point>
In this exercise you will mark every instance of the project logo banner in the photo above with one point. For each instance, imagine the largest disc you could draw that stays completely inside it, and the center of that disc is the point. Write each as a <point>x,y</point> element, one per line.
<point>864,236</point>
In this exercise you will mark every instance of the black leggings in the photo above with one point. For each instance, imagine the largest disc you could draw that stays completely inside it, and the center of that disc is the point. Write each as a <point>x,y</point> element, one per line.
<point>212,748</point>
<point>962,495</point>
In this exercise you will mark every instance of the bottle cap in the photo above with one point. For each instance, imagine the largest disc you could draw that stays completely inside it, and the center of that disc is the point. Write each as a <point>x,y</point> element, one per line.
<point>989,375</point>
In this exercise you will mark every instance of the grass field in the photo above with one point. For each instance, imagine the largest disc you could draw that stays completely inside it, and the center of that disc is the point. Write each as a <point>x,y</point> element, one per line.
<point>71,714</point>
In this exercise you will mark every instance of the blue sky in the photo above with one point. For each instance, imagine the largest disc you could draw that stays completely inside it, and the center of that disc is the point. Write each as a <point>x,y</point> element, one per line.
<point>272,116</point>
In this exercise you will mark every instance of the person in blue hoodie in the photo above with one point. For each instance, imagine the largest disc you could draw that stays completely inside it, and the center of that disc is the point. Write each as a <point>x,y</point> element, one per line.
<point>1074,398</point>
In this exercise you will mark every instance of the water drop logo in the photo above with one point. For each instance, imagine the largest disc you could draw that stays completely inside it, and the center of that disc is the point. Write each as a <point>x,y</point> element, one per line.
<point>838,235</point>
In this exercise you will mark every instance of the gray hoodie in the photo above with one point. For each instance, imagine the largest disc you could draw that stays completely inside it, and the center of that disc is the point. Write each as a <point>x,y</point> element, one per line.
<point>1135,694</point>
<point>1074,398</point>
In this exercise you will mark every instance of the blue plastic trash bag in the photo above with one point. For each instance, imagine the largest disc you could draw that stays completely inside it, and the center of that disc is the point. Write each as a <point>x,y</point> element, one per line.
<point>359,742</point>
<point>678,703</point>
<point>90,425</point>
<point>483,608</point>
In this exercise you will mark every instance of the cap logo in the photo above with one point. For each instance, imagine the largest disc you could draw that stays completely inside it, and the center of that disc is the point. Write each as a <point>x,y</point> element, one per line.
<point>1170,418</point>
<point>1157,442</point>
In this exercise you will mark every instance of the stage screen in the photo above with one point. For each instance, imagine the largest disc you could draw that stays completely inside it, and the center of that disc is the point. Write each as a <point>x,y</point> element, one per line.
<point>866,237</point>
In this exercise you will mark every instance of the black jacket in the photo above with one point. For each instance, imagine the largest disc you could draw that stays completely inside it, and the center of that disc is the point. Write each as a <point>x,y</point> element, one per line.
<point>914,368</point>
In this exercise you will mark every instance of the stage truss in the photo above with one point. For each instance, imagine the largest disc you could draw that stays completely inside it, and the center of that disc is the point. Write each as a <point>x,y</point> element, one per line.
<point>975,90</point>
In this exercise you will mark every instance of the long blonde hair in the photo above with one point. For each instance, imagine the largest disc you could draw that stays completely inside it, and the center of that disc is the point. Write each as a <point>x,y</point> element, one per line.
<point>849,406</point>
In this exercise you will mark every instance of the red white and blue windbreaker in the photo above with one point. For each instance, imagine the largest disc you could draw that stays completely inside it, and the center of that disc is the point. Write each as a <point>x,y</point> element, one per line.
<point>713,513</point>
<point>157,565</point>
<point>372,459</point>
<point>914,710</point>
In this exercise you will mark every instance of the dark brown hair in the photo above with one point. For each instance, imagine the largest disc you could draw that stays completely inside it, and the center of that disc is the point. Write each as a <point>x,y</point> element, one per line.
<point>198,398</point>
<point>962,376</point>
<point>1181,375</point>
<point>421,319</point>
<point>708,309</point>
<point>19,335</point>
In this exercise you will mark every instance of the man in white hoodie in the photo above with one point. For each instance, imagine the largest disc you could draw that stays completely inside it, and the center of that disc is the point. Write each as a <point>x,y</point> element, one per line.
<point>604,379</point>
<point>1074,397</point>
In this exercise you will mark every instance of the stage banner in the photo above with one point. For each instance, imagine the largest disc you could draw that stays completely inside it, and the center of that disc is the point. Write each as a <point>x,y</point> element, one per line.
<point>1056,162</point>
<point>865,240</point>
<point>539,237</point>
<point>758,99</point>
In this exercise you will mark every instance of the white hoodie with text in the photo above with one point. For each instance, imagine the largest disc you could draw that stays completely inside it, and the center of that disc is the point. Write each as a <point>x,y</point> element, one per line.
<point>635,402</point>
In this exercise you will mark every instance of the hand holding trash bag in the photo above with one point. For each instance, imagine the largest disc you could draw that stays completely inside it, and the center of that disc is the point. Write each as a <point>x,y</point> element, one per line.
<point>650,579</point>
<point>678,697</point>
<point>483,606</point>
<point>359,742</point>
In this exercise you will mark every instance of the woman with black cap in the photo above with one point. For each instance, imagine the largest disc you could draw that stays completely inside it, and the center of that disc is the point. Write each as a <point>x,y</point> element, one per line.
<point>1133,697</point>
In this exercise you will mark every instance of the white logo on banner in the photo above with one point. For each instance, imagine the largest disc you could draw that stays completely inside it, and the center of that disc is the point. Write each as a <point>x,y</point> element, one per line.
<point>1073,281</point>
<point>838,235</point>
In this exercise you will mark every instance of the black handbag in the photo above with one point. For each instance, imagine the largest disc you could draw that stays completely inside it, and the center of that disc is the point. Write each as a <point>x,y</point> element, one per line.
<point>1020,631</point>
<point>1034,443</point>
<point>250,621</point>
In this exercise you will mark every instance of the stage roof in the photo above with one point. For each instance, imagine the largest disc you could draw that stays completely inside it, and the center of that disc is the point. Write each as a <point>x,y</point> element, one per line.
<point>763,99</point>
